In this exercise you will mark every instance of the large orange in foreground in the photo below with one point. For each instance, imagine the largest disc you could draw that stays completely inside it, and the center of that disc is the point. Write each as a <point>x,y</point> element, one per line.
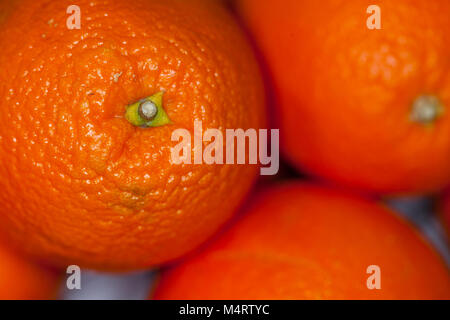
<point>20,279</point>
<point>83,184</point>
<point>366,108</point>
<point>305,242</point>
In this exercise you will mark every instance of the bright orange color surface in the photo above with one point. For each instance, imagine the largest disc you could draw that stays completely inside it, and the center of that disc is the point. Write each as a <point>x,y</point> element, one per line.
<point>345,92</point>
<point>20,279</point>
<point>79,183</point>
<point>300,241</point>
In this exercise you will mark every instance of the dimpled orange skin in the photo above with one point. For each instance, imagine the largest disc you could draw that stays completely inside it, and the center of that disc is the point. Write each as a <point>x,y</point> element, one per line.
<point>345,93</point>
<point>79,183</point>
<point>300,241</point>
<point>21,279</point>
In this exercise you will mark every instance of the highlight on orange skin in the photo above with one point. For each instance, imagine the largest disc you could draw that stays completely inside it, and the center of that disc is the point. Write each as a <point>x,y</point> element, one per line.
<point>300,241</point>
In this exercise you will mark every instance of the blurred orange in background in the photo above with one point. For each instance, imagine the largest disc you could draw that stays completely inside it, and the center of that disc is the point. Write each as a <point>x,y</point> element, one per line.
<point>365,108</point>
<point>22,279</point>
<point>300,241</point>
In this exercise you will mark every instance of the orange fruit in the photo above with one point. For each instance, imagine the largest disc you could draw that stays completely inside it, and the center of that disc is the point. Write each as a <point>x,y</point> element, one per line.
<point>360,107</point>
<point>21,279</point>
<point>300,241</point>
<point>80,182</point>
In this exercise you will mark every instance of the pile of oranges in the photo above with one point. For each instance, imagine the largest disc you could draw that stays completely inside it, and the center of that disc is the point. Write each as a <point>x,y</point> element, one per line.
<point>87,175</point>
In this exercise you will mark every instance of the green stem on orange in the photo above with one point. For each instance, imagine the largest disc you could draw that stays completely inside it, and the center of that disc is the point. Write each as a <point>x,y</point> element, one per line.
<point>426,109</point>
<point>147,112</point>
